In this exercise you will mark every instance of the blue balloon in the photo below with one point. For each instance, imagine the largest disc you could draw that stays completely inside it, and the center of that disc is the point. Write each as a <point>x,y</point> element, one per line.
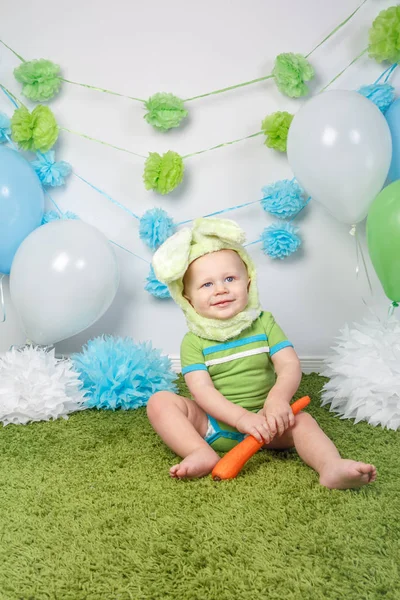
<point>393,118</point>
<point>21,204</point>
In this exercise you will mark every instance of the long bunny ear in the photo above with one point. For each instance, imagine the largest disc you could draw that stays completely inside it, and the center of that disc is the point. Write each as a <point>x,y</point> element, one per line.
<point>171,260</point>
<point>224,229</point>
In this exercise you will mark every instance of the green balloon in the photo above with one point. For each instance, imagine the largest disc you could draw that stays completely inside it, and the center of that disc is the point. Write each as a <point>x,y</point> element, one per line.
<point>383,237</point>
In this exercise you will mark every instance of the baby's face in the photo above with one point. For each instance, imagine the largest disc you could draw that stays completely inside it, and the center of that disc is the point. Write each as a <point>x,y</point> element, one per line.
<point>217,285</point>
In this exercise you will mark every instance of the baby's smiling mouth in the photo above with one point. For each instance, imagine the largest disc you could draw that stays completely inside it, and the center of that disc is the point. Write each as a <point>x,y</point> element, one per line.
<point>222,302</point>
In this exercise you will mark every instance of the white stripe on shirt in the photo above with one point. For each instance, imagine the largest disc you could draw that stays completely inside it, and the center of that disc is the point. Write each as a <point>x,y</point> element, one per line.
<point>224,359</point>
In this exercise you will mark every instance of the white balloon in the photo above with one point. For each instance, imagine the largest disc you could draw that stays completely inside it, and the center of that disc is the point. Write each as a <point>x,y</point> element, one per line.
<point>339,148</point>
<point>63,278</point>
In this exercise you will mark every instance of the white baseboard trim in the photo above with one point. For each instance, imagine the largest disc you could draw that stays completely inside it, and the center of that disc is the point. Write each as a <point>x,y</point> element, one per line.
<point>311,364</point>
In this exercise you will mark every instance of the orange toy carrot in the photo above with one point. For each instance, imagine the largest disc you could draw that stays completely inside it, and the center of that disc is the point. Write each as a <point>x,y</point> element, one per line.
<point>234,460</point>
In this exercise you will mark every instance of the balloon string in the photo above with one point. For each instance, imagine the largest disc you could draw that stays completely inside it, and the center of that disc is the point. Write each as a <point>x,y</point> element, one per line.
<point>353,232</point>
<point>360,250</point>
<point>2,303</point>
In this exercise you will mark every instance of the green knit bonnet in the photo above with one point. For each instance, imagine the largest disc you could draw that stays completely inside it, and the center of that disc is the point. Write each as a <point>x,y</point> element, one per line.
<point>172,259</point>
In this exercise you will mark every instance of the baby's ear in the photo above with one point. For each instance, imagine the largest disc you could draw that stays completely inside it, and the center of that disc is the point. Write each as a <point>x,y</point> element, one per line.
<point>248,284</point>
<point>185,295</point>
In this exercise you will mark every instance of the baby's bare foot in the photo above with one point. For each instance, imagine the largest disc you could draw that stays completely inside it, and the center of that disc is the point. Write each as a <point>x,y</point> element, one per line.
<point>347,474</point>
<point>197,464</point>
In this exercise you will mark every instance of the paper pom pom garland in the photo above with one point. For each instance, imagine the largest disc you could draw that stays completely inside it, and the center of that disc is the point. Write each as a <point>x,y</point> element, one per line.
<point>155,287</point>
<point>279,240</point>
<point>283,199</point>
<point>35,386</point>
<point>381,94</point>
<point>163,173</point>
<point>365,373</point>
<point>118,373</point>
<point>34,131</point>
<point>40,79</point>
<point>50,172</point>
<point>155,227</point>
<point>384,36</point>
<point>52,215</point>
<point>290,72</point>
<point>5,128</point>
<point>276,129</point>
<point>165,111</point>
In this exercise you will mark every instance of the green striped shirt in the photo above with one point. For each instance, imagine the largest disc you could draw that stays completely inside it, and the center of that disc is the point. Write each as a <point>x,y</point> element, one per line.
<point>240,368</point>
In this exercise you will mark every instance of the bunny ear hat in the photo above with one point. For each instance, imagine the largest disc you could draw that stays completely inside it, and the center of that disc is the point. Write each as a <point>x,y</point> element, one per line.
<point>172,259</point>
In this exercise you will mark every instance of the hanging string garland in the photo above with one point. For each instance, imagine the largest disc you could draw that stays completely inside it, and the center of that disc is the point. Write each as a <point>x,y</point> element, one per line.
<point>34,131</point>
<point>384,36</point>
<point>290,73</point>
<point>5,128</point>
<point>163,173</point>
<point>381,94</point>
<point>155,227</point>
<point>283,202</point>
<point>276,129</point>
<point>155,287</point>
<point>52,215</point>
<point>50,172</point>
<point>283,199</point>
<point>40,79</point>
<point>165,111</point>
<point>279,240</point>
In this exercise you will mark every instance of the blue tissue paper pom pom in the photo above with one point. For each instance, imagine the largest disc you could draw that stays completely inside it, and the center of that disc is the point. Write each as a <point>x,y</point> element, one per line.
<point>49,171</point>
<point>155,287</point>
<point>52,215</point>
<point>283,199</point>
<point>155,227</point>
<point>5,127</point>
<point>381,94</point>
<point>279,240</point>
<point>118,373</point>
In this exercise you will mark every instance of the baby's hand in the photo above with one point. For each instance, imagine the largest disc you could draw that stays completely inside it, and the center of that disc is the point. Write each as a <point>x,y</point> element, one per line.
<point>256,425</point>
<point>278,414</point>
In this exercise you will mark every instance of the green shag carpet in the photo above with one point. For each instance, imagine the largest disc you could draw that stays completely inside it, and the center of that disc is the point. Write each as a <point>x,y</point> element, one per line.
<point>89,512</point>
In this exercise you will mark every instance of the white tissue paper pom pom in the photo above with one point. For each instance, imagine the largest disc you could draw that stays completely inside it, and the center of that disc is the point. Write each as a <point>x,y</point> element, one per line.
<point>365,373</point>
<point>36,386</point>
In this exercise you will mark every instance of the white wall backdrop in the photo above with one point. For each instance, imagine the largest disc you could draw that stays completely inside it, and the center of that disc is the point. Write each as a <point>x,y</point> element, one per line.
<point>187,48</point>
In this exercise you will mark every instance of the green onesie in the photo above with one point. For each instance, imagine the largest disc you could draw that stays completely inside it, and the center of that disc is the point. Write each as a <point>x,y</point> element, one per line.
<point>240,368</point>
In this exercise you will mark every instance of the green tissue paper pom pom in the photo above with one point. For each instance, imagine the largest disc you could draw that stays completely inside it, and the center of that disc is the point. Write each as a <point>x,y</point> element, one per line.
<point>165,111</point>
<point>34,131</point>
<point>276,129</point>
<point>40,78</point>
<point>163,173</point>
<point>290,72</point>
<point>384,36</point>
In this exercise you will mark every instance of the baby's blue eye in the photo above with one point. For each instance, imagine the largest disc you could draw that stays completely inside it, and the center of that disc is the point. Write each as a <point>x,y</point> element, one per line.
<point>207,284</point>
<point>229,279</point>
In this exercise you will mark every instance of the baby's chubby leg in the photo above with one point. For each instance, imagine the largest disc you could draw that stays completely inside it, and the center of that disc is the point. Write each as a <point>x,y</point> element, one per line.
<point>182,425</point>
<point>320,453</point>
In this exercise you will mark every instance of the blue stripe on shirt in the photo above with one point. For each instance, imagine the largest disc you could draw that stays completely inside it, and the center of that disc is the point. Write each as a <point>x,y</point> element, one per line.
<point>280,346</point>
<point>197,367</point>
<point>249,340</point>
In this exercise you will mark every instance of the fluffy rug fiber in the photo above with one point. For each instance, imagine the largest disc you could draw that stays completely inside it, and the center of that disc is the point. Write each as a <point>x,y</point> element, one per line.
<point>88,512</point>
